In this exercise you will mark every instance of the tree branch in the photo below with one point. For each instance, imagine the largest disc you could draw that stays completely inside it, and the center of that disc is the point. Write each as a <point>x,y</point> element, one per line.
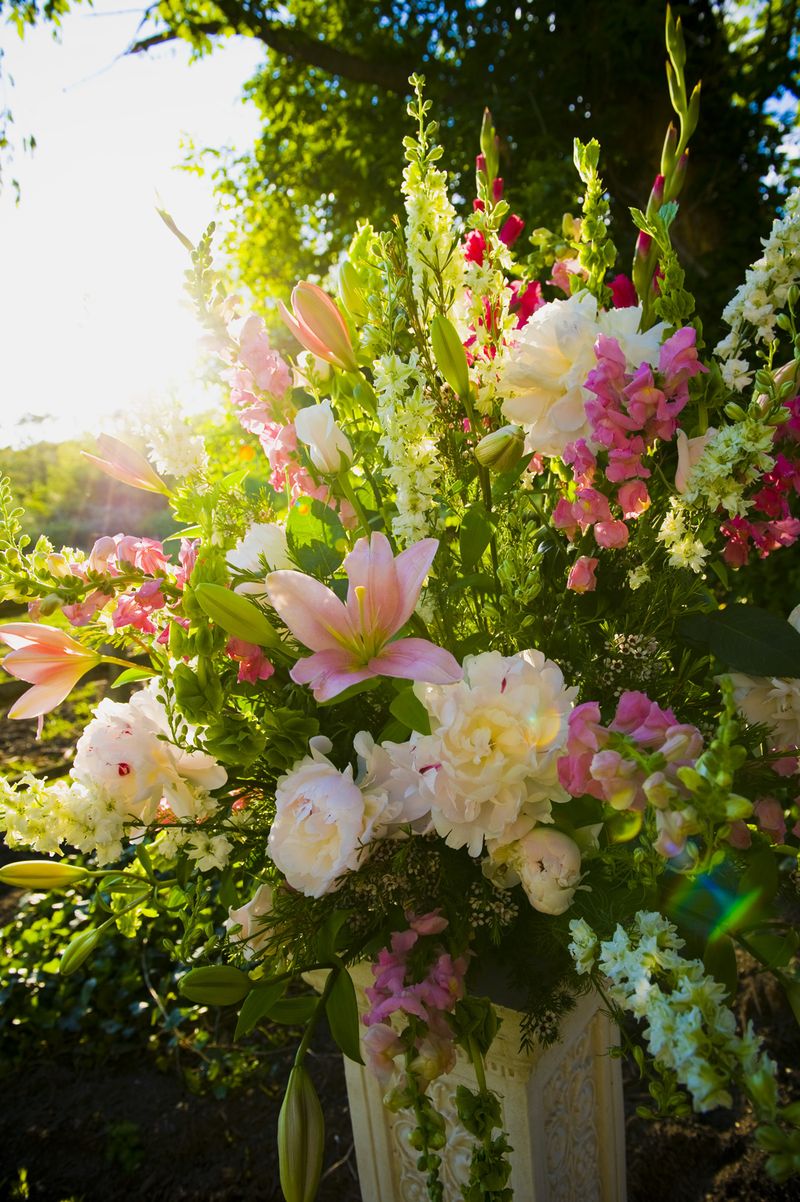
<point>293,43</point>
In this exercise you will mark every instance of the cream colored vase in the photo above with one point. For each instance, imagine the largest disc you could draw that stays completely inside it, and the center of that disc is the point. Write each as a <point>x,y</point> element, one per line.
<point>562,1109</point>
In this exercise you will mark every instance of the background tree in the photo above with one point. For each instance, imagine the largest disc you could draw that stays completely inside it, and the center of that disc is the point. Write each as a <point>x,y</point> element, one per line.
<point>332,96</point>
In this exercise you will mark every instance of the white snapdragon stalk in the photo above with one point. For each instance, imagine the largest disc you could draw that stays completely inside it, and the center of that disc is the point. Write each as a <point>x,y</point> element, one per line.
<point>687,1026</point>
<point>46,817</point>
<point>408,421</point>
<point>732,458</point>
<point>753,310</point>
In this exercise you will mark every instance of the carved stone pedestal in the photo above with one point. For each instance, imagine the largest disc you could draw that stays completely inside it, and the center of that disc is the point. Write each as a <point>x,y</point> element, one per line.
<point>562,1109</point>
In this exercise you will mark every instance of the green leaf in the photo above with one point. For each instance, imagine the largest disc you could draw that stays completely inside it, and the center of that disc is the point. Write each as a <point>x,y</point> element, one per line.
<point>132,674</point>
<point>474,536</point>
<point>342,1011</point>
<point>188,532</point>
<point>293,1011</point>
<point>746,639</point>
<point>408,709</point>
<point>775,947</point>
<point>451,358</point>
<point>720,962</point>
<point>236,615</point>
<point>316,537</point>
<point>257,1005</point>
<point>216,985</point>
<point>328,933</point>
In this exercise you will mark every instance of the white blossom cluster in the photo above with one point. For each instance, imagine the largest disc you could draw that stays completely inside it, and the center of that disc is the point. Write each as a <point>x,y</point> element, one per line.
<point>733,458</point>
<point>43,817</point>
<point>408,421</point>
<point>172,447</point>
<point>753,310</point>
<point>687,1025</point>
<point>683,548</point>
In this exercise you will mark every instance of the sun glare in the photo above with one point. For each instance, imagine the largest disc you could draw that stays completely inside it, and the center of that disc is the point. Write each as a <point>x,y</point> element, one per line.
<point>93,317</point>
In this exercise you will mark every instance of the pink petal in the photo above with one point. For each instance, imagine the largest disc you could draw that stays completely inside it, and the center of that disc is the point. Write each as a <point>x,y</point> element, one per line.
<point>27,634</point>
<point>417,659</point>
<point>371,566</point>
<point>412,566</point>
<point>329,673</point>
<point>46,696</point>
<point>314,614</point>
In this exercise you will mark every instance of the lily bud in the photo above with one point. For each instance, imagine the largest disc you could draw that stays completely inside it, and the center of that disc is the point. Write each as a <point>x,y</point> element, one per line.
<point>451,358</point>
<point>329,448</point>
<point>121,462</point>
<point>301,1138</point>
<point>77,950</point>
<point>501,450</point>
<point>318,325</point>
<point>41,874</point>
<point>350,292</point>
<point>216,985</point>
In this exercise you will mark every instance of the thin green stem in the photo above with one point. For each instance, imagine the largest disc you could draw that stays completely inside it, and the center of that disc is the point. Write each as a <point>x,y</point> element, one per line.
<point>350,495</point>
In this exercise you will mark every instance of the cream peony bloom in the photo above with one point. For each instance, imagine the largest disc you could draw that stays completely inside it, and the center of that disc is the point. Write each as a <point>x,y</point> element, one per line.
<point>545,369</point>
<point>491,756</point>
<point>126,752</point>
<point>323,822</point>
<point>772,701</point>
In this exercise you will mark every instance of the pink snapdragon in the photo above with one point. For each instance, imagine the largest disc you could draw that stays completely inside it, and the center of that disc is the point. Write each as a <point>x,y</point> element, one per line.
<point>253,664</point>
<point>352,640</point>
<point>269,371</point>
<point>581,577</point>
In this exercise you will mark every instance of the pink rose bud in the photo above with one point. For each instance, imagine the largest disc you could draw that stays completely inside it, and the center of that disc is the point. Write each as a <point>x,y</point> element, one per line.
<point>581,575</point>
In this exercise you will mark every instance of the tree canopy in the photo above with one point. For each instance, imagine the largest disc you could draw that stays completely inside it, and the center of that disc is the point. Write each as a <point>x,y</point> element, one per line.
<point>333,88</point>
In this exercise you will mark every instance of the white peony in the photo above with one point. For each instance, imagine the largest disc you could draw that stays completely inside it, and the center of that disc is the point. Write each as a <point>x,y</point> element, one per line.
<point>772,701</point>
<point>545,370</point>
<point>323,822</point>
<point>548,864</point>
<point>125,753</point>
<point>264,544</point>
<point>252,933</point>
<point>328,447</point>
<point>392,767</point>
<point>491,756</point>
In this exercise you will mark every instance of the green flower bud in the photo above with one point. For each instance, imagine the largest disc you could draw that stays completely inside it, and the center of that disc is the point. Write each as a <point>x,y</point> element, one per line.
<point>301,1138</point>
<point>501,450</point>
<point>350,292</point>
<point>216,985</point>
<point>41,874</point>
<point>77,950</point>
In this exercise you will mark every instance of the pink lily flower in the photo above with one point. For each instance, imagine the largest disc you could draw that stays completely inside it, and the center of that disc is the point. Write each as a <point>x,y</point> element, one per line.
<point>121,462</point>
<point>318,325</point>
<point>351,640</point>
<point>46,658</point>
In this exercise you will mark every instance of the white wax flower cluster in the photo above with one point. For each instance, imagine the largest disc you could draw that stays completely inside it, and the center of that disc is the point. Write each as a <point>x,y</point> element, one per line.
<point>688,1027</point>
<point>732,459</point>
<point>408,422</point>
<point>753,310</point>
<point>685,550</point>
<point>546,367</point>
<point>127,774</point>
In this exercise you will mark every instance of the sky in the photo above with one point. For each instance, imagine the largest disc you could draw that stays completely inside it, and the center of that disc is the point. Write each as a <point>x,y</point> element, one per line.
<point>93,319</point>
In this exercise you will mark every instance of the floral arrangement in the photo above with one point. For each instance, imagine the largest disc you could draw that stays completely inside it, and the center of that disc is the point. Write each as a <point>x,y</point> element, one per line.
<point>454,677</point>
